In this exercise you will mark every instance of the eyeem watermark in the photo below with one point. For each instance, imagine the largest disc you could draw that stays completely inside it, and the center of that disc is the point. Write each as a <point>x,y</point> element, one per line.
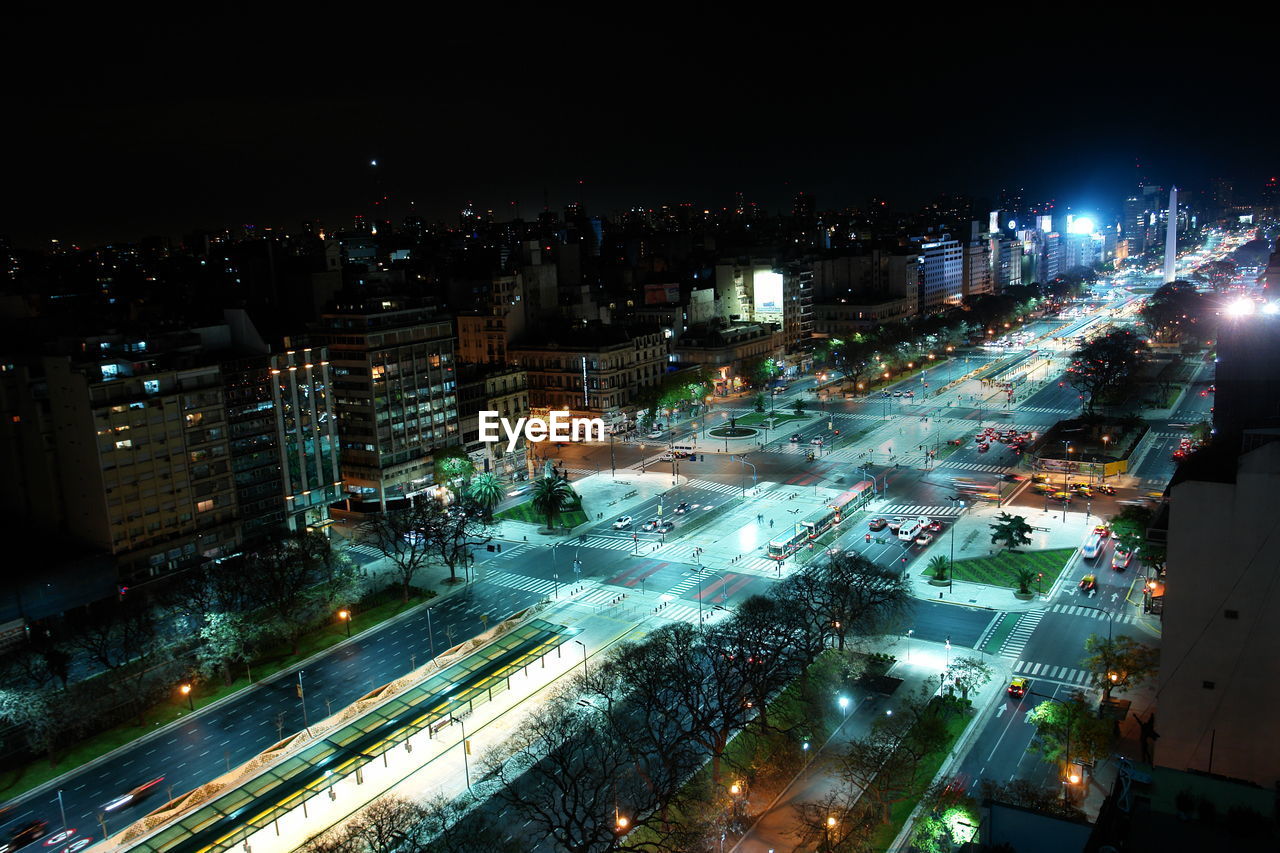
<point>559,427</point>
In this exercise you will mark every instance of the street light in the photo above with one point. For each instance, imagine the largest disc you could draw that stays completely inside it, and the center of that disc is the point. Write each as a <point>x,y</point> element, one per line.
<point>345,616</point>
<point>951,564</point>
<point>466,749</point>
<point>584,657</point>
<point>910,631</point>
<point>186,691</point>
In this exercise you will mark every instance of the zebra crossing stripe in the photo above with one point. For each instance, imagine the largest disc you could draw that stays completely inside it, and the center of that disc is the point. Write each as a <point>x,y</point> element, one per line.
<point>914,509</point>
<point>1021,633</point>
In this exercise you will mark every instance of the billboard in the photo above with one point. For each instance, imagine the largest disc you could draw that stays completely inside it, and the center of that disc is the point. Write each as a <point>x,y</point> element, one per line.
<point>767,292</point>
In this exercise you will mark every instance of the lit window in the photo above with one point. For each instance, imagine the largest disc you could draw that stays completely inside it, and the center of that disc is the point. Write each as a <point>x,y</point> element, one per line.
<point>205,505</point>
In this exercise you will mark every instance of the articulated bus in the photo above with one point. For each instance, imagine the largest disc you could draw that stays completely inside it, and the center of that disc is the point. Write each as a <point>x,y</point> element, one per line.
<point>785,546</point>
<point>849,502</point>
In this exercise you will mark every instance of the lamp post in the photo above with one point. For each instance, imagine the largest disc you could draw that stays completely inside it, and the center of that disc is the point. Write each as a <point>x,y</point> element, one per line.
<point>1110,618</point>
<point>345,616</point>
<point>951,564</point>
<point>910,631</point>
<point>1105,440</point>
<point>62,811</point>
<point>466,749</point>
<point>584,657</point>
<point>191,703</point>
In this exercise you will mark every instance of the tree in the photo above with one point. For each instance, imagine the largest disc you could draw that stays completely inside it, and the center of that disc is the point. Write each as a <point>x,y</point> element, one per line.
<point>968,674</point>
<point>1010,532</point>
<point>1131,526</point>
<point>1119,663</point>
<point>1024,575</point>
<point>862,598</point>
<point>400,535</point>
<point>454,464</point>
<point>948,818</point>
<point>1068,730</point>
<point>798,406</point>
<point>226,638</point>
<point>486,491</point>
<point>939,566</point>
<point>759,402</point>
<point>1028,795</point>
<point>449,826</point>
<point>552,496</point>
<point>453,531</point>
<point>1105,363</point>
<point>296,580</point>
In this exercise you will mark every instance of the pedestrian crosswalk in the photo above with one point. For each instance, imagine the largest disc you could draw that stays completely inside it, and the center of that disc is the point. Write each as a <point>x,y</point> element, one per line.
<point>614,543</point>
<point>690,582</point>
<point>719,488</point>
<point>514,581</point>
<point>363,550</point>
<point>511,550</point>
<point>1066,674</point>
<point>1017,640</point>
<point>917,509</point>
<point>976,466</point>
<point>1093,613</point>
<point>600,596</point>
<point>1046,410</point>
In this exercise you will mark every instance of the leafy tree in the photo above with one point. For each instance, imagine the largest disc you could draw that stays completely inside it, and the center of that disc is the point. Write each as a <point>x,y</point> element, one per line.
<point>552,496</point>
<point>968,674</point>
<point>939,566</point>
<point>759,402</point>
<point>1105,363</point>
<point>862,598</point>
<point>1119,663</point>
<point>1131,526</point>
<point>948,818</point>
<point>296,580</point>
<point>486,491</point>
<point>1069,730</point>
<point>798,406</point>
<point>454,463</point>
<point>226,638</point>
<point>1010,532</point>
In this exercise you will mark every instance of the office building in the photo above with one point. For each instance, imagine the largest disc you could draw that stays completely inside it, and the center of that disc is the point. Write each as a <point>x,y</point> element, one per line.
<point>394,393</point>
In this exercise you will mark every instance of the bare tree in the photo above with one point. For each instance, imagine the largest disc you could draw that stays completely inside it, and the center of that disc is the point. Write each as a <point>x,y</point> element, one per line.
<point>861,598</point>
<point>400,536</point>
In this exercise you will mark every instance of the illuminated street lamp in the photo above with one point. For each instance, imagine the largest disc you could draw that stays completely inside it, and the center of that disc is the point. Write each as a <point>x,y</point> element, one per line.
<point>345,616</point>
<point>185,690</point>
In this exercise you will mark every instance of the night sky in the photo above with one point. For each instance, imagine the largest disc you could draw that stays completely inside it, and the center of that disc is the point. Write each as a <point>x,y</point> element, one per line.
<point>128,128</point>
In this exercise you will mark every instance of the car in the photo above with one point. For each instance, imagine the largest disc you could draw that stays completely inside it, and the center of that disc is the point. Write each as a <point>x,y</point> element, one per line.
<point>897,393</point>
<point>1213,389</point>
<point>1039,478</point>
<point>1105,489</point>
<point>1102,529</point>
<point>1018,687</point>
<point>895,524</point>
<point>877,524</point>
<point>133,796</point>
<point>666,527</point>
<point>1065,497</point>
<point>935,527</point>
<point>667,457</point>
<point>909,394</point>
<point>1089,582</point>
<point>1084,491</point>
<point>623,522</point>
<point>983,448</point>
<point>816,441</point>
<point>795,438</point>
<point>657,433</point>
<point>650,525</point>
<point>1074,486</point>
<point>518,491</point>
<point>25,834</point>
<point>885,394</point>
<point>1044,488</point>
<point>682,507</point>
<point>924,539</point>
<point>1012,478</point>
<point>1121,559</point>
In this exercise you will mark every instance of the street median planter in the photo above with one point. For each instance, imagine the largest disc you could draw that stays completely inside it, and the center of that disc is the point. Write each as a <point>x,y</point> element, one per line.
<point>1024,596</point>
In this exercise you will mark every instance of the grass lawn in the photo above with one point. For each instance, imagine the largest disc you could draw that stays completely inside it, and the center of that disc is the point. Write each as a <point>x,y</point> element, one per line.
<point>525,512</point>
<point>779,417</point>
<point>929,767</point>
<point>999,570</point>
<point>18,780</point>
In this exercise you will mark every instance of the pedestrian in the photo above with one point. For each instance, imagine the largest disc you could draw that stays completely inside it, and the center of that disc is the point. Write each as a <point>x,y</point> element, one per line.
<point>771,524</point>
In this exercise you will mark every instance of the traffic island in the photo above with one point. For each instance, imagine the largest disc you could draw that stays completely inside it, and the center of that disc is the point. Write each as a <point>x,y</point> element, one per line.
<point>1007,569</point>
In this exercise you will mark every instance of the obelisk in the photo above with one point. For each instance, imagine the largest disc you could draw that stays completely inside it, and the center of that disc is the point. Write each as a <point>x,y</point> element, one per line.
<point>1171,239</point>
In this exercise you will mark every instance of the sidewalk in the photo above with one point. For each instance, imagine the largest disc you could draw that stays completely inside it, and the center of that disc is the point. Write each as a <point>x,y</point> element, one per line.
<point>775,816</point>
<point>971,534</point>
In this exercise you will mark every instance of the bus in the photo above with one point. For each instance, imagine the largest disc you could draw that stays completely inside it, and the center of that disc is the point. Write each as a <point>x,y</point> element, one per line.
<point>783,547</point>
<point>849,502</point>
<point>911,529</point>
<point>1094,544</point>
<point>821,521</point>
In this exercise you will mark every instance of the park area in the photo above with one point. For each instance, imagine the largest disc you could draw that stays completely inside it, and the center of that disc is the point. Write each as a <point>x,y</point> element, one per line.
<point>1002,569</point>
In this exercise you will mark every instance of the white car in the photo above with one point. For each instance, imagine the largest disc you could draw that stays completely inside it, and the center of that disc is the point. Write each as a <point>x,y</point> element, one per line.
<point>622,523</point>
<point>657,433</point>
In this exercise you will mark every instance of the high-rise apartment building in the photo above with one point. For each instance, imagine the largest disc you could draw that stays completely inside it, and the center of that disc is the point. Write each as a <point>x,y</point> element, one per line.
<point>394,392</point>
<point>941,271</point>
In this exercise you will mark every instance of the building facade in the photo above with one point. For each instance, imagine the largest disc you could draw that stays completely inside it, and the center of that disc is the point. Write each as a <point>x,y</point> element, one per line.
<point>593,369</point>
